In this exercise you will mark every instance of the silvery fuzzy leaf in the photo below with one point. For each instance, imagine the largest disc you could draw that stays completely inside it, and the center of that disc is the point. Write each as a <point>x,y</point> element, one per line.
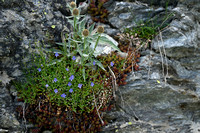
<point>106,39</point>
<point>69,17</point>
<point>54,51</point>
<point>71,22</point>
<point>61,43</point>
<point>64,44</point>
<point>91,28</point>
<point>85,55</point>
<point>74,40</point>
<point>105,45</point>
<point>82,24</point>
<point>83,71</point>
<point>79,51</point>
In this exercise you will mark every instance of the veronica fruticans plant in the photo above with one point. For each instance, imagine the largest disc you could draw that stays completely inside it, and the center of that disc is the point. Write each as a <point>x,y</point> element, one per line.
<point>61,84</point>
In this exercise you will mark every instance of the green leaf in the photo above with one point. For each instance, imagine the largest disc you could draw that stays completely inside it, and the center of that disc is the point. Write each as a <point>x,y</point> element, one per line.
<point>71,22</point>
<point>92,39</point>
<point>54,51</point>
<point>74,40</point>
<point>91,28</point>
<point>82,25</point>
<point>83,71</point>
<point>99,64</point>
<point>63,44</point>
<point>105,39</point>
<point>69,17</point>
<point>79,51</point>
<point>86,55</point>
<point>55,61</point>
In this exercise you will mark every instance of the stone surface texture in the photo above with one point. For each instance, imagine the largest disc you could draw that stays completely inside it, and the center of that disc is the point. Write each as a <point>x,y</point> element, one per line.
<point>163,97</point>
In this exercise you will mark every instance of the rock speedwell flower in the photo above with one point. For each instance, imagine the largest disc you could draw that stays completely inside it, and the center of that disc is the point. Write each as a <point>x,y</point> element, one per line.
<point>55,80</point>
<point>92,84</point>
<point>69,84</point>
<point>56,91</point>
<point>71,77</point>
<point>80,85</point>
<point>71,90</point>
<point>47,85</point>
<point>56,54</point>
<point>73,58</point>
<point>112,64</point>
<point>63,95</point>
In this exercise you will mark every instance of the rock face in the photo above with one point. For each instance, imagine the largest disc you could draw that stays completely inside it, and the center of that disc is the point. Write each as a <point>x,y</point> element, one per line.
<point>23,24</point>
<point>162,97</point>
<point>127,15</point>
<point>162,3</point>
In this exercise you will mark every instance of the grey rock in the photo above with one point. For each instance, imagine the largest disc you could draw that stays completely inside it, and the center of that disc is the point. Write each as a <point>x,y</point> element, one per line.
<point>164,95</point>
<point>157,106</point>
<point>9,121</point>
<point>129,14</point>
<point>181,39</point>
<point>159,3</point>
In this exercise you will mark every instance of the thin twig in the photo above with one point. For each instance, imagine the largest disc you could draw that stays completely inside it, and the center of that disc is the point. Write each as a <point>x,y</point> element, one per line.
<point>24,117</point>
<point>149,63</point>
<point>165,77</point>
<point>101,101</point>
<point>115,88</point>
<point>39,106</point>
<point>163,70</point>
<point>95,103</point>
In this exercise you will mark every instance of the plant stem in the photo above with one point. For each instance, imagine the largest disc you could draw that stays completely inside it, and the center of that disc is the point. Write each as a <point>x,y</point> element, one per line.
<point>74,24</point>
<point>84,44</point>
<point>96,44</point>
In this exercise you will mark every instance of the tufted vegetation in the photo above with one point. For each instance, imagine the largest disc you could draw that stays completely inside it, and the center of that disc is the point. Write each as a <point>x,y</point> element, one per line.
<point>68,87</point>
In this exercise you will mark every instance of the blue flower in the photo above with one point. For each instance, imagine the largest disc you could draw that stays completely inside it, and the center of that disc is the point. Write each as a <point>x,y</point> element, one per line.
<point>71,90</point>
<point>41,65</point>
<point>67,69</point>
<point>80,85</point>
<point>69,84</point>
<point>73,58</point>
<point>56,54</point>
<point>71,77</point>
<point>112,64</point>
<point>93,62</point>
<point>39,69</point>
<point>56,91</point>
<point>92,84</point>
<point>47,85</point>
<point>63,95</point>
<point>55,80</point>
